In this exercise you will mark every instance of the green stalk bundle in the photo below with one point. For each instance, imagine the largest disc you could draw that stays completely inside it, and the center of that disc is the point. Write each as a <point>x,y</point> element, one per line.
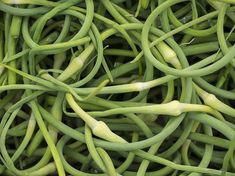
<point>117,87</point>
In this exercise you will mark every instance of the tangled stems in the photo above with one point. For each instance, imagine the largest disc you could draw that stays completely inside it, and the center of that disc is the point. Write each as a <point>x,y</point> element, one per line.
<point>117,87</point>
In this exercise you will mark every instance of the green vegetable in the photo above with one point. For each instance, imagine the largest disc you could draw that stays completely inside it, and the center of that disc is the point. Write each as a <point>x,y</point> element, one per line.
<point>115,87</point>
